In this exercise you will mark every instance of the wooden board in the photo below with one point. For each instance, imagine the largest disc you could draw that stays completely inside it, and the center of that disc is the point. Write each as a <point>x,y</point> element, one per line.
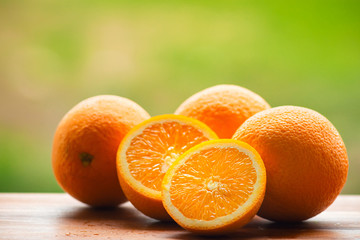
<point>58,216</point>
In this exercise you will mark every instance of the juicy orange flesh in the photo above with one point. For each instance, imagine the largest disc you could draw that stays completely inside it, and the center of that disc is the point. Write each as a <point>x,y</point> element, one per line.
<point>212,183</point>
<point>151,152</point>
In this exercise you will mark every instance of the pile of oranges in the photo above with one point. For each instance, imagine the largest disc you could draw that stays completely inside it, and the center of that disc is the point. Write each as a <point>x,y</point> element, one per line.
<point>224,156</point>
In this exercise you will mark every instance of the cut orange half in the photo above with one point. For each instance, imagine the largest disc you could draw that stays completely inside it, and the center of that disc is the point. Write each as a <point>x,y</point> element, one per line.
<point>215,187</point>
<point>146,153</point>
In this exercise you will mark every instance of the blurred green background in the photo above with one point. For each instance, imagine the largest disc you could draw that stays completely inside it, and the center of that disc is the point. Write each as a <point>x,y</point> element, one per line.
<point>54,54</point>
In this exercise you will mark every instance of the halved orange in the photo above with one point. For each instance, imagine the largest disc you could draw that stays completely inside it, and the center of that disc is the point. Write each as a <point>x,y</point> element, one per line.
<point>146,153</point>
<point>215,187</point>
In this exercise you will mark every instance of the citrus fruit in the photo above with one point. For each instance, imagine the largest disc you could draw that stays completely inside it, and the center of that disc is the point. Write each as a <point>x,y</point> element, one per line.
<point>305,159</point>
<point>215,187</point>
<point>147,152</point>
<point>85,146</point>
<point>223,107</point>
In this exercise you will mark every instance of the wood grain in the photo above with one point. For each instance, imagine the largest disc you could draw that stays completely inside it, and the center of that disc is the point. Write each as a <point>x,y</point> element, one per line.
<point>58,216</point>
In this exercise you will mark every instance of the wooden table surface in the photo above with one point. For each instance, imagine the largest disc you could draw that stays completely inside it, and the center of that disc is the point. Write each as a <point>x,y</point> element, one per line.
<point>58,216</point>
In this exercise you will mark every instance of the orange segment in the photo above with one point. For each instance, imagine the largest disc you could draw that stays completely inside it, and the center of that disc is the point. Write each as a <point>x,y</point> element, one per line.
<point>148,151</point>
<point>215,187</point>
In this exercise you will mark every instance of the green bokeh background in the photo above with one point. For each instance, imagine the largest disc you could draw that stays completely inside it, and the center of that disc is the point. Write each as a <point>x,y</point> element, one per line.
<point>54,54</point>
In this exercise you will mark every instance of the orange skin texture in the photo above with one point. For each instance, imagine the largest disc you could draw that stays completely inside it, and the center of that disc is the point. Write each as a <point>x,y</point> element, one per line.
<point>94,127</point>
<point>223,107</point>
<point>149,206</point>
<point>305,159</point>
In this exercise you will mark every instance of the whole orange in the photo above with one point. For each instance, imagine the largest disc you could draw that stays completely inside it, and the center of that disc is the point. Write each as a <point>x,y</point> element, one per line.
<point>223,107</point>
<point>305,159</point>
<point>85,146</point>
